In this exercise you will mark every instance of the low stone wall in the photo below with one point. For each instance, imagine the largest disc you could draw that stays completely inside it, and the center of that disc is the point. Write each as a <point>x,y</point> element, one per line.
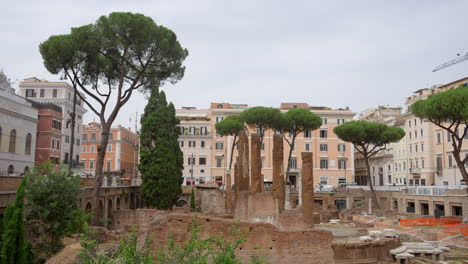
<point>210,200</point>
<point>9,183</point>
<point>364,252</point>
<point>312,246</point>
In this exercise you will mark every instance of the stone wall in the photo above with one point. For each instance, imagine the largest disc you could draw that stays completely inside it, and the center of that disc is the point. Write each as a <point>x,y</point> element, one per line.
<point>210,201</point>
<point>312,246</point>
<point>364,252</point>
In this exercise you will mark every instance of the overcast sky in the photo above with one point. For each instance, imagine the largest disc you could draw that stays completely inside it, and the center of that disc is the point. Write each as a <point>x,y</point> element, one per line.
<point>359,54</point>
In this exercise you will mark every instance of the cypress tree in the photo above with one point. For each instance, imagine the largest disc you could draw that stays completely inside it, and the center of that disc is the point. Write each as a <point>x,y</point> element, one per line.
<point>161,160</point>
<point>192,199</point>
<point>14,245</point>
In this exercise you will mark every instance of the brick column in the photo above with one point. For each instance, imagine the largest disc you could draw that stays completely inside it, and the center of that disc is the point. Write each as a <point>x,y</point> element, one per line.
<point>228,202</point>
<point>256,183</point>
<point>307,189</point>
<point>278,171</point>
<point>243,162</point>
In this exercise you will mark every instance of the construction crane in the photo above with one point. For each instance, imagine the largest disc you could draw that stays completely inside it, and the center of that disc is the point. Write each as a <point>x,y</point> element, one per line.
<point>452,62</point>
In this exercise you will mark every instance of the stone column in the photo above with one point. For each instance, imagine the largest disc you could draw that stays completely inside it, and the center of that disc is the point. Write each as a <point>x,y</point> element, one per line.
<point>228,202</point>
<point>256,184</point>
<point>307,189</point>
<point>278,171</point>
<point>243,162</point>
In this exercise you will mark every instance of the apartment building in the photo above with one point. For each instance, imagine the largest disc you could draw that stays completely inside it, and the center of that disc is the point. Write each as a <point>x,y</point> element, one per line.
<point>332,160</point>
<point>61,94</point>
<point>430,150</point>
<point>49,133</point>
<point>389,166</point>
<point>122,154</point>
<point>18,126</point>
<point>195,142</point>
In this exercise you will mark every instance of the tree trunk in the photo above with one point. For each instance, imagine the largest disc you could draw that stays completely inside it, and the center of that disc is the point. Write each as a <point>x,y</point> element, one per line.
<point>369,180</point>
<point>232,151</point>
<point>461,166</point>
<point>98,174</point>
<point>70,160</point>
<point>289,159</point>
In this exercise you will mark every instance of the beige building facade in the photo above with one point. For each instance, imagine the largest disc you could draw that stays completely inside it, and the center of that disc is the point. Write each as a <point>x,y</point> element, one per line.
<point>333,158</point>
<point>430,151</point>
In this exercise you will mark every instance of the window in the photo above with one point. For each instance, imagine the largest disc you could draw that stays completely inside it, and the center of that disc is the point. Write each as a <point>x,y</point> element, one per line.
<point>108,165</point>
<point>191,144</point>
<point>449,137</point>
<point>53,143</point>
<point>341,147</point>
<point>422,133</point>
<point>323,163</point>
<point>83,149</point>
<point>30,93</point>
<point>203,131</point>
<point>109,148</point>
<point>410,148</point>
<point>340,121</point>
<point>293,163</point>
<point>323,147</point>
<point>438,138</point>
<point>93,136</point>
<point>85,137</point>
<point>307,133</point>
<point>54,93</point>
<point>415,148</point>
<point>409,134</point>
<point>12,146</point>
<point>324,121</point>
<point>341,181</point>
<point>42,92</point>
<point>191,161</point>
<point>219,161</point>
<point>422,147</point>
<point>262,148</point>
<point>417,163</point>
<point>450,162</point>
<point>307,147</point>
<point>27,147</point>
<point>219,145</point>
<point>202,161</point>
<point>415,123</point>
<point>219,119</point>
<point>91,148</point>
<point>342,163</point>
<point>422,163</point>
<point>416,134</point>
<point>77,142</point>
<point>323,133</point>
<point>219,106</point>
<point>202,143</point>
<point>67,139</point>
<point>57,124</point>
<point>181,143</point>
<point>191,130</point>
<point>111,136</point>
<point>439,163</point>
<point>91,164</point>
<point>323,180</point>
<point>66,157</point>
<point>58,144</point>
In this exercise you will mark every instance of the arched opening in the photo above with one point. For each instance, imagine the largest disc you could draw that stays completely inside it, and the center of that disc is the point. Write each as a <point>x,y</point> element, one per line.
<point>118,203</point>
<point>109,213</point>
<point>101,212</point>
<point>27,146</point>
<point>12,146</point>
<point>11,169</point>
<point>89,207</point>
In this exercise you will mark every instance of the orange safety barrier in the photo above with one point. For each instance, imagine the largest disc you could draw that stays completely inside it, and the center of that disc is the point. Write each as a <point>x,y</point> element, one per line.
<point>457,229</point>
<point>429,221</point>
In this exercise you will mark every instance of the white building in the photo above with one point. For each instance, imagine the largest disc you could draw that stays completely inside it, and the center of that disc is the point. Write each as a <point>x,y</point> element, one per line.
<point>195,143</point>
<point>18,126</point>
<point>61,94</point>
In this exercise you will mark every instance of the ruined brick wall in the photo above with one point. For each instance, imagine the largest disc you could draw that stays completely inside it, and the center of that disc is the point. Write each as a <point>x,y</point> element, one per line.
<point>364,252</point>
<point>211,201</point>
<point>279,247</point>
